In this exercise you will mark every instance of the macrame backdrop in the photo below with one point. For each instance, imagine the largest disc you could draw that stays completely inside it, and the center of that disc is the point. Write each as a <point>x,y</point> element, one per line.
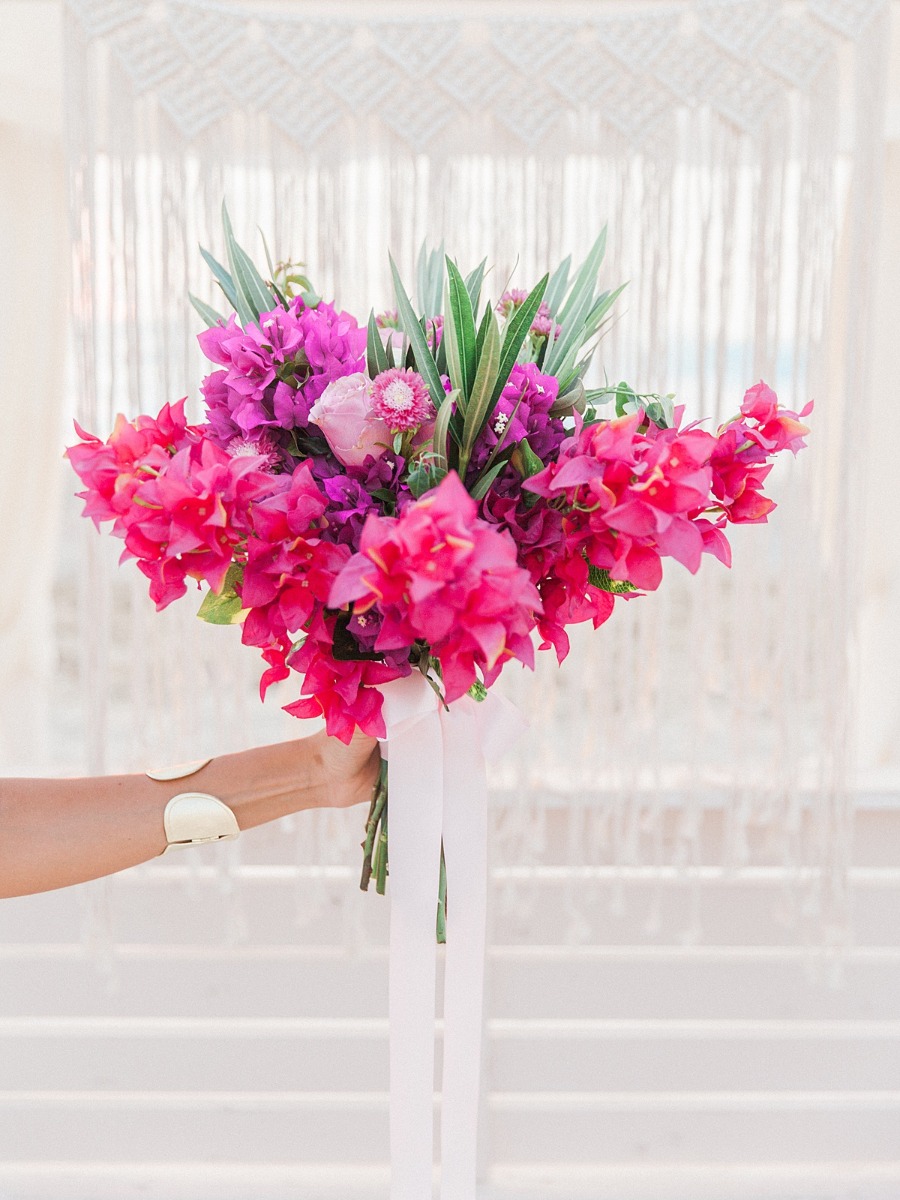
<point>732,146</point>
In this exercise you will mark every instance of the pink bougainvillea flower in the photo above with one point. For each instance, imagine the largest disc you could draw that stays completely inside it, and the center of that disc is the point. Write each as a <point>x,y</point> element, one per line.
<point>178,500</point>
<point>401,400</point>
<point>443,575</point>
<point>113,470</point>
<point>276,368</point>
<point>343,692</point>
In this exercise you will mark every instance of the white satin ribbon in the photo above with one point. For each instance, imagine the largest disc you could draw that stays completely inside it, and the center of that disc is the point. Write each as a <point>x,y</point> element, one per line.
<point>437,790</point>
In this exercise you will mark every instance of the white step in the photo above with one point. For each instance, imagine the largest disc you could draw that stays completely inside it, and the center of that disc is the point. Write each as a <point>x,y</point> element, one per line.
<point>351,1128</point>
<point>322,1054</point>
<point>271,904</point>
<point>631,1181</point>
<point>578,982</point>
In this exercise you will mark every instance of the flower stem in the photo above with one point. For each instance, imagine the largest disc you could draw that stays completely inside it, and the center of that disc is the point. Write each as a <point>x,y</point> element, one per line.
<point>376,814</point>
<point>442,903</point>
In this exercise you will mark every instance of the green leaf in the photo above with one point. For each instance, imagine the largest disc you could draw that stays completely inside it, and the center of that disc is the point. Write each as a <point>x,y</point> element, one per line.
<point>517,331</point>
<point>250,285</point>
<point>525,460</point>
<point>459,331</point>
<point>624,397</point>
<point>424,475</point>
<point>440,440</point>
<point>409,323</point>
<point>226,283</point>
<point>571,400</point>
<point>430,279</point>
<point>376,355</point>
<point>478,691</point>
<point>224,607</point>
<point>601,307</point>
<point>440,354</point>
<point>209,314</point>
<point>474,282</point>
<point>556,288</point>
<point>482,484</point>
<point>481,401</point>
<point>482,330</point>
<point>561,354</point>
<point>586,279</point>
<point>577,317</point>
<point>269,262</point>
<point>599,578</point>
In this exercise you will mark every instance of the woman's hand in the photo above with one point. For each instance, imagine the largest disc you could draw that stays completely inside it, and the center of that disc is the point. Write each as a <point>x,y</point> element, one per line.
<point>349,772</point>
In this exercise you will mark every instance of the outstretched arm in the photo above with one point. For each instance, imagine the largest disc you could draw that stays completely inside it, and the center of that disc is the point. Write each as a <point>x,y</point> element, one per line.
<point>55,832</point>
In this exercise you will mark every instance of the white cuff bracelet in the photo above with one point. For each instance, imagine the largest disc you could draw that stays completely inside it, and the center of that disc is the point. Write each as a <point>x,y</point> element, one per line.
<point>194,818</point>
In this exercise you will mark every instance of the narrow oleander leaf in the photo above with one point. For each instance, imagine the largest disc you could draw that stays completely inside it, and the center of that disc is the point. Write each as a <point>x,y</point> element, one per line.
<point>409,323</point>
<point>430,279</point>
<point>376,355</point>
<point>441,441</point>
<point>252,283</point>
<point>556,288</point>
<point>422,275</point>
<point>450,342</point>
<point>223,277</point>
<point>440,354</point>
<point>481,401</point>
<point>482,331</point>
<point>600,308</point>
<point>459,314</point>
<point>437,282</point>
<point>571,337</point>
<point>517,331</point>
<point>482,484</point>
<point>278,295</point>
<point>474,283</point>
<point>247,311</point>
<point>586,279</point>
<point>269,262</point>
<point>249,283</point>
<point>206,311</point>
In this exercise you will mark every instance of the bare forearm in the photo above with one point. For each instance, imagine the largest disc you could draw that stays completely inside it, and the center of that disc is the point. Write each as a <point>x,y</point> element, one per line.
<point>56,832</point>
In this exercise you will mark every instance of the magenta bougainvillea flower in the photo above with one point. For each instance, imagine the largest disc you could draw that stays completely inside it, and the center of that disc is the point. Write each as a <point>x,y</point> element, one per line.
<point>443,575</point>
<point>276,368</point>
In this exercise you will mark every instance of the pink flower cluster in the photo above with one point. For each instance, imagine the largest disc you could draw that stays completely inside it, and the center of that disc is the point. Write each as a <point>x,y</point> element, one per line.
<point>180,502</point>
<point>344,577</point>
<point>633,494</point>
<point>277,368</point>
<point>443,576</point>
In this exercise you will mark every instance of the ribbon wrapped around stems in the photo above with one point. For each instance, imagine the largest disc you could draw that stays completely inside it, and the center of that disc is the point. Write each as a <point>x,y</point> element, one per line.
<point>438,793</point>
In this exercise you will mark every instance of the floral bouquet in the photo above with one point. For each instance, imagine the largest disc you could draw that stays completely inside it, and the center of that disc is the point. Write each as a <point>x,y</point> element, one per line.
<point>424,494</point>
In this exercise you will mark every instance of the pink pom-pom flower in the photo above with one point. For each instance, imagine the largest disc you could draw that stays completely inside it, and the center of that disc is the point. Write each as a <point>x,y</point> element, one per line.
<point>400,398</point>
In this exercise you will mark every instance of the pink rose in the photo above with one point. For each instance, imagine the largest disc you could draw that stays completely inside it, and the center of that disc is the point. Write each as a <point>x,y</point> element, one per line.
<point>344,414</point>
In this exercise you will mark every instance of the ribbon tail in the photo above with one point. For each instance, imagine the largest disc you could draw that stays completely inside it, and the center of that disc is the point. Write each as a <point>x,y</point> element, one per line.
<point>465,852</point>
<point>416,783</point>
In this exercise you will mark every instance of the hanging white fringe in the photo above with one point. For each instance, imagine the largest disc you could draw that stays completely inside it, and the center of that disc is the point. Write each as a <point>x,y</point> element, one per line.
<point>712,139</point>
